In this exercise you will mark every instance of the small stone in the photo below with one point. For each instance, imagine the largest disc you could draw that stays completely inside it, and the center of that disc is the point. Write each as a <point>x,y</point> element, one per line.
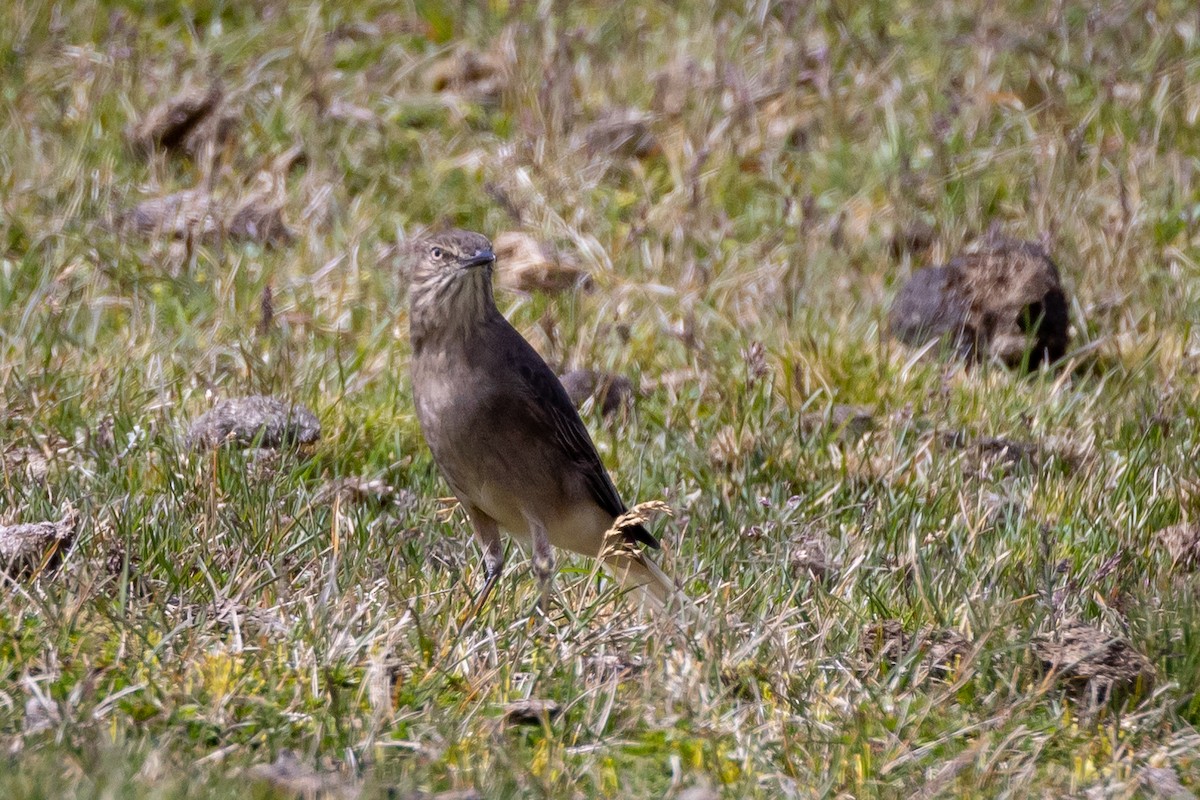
<point>257,421</point>
<point>610,392</point>
<point>531,712</point>
<point>1091,661</point>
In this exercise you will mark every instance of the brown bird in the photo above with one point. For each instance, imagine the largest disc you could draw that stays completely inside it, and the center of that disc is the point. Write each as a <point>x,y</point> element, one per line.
<point>502,429</point>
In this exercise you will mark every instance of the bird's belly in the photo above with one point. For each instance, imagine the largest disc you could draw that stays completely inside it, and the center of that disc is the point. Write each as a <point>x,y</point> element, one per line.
<point>500,504</point>
<point>581,529</point>
<point>578,527</point>
<point>498,467</point>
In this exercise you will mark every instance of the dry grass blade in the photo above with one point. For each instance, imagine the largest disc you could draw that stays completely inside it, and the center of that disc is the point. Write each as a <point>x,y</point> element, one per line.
<point>615,539</point>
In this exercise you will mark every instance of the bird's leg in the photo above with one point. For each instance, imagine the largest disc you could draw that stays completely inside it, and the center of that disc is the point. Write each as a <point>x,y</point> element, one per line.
<point>493,564</point>
<point>543,561</point>
<point>488,533</point>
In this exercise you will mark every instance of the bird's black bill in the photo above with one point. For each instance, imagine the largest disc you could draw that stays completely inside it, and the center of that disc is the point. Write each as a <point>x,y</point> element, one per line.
<point>481,259</point>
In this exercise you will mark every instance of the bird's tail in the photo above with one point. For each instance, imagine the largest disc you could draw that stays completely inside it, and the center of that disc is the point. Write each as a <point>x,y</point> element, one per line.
<point>636,570</point>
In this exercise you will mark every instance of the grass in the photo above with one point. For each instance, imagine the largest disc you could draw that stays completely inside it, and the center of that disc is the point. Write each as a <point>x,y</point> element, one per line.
<point>217,610</point>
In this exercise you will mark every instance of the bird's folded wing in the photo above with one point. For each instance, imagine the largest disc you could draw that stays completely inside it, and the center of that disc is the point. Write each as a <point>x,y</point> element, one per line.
<point>571,437</point>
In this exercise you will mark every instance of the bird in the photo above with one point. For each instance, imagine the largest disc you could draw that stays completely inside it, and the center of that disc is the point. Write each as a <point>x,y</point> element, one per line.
<point>503,431</point>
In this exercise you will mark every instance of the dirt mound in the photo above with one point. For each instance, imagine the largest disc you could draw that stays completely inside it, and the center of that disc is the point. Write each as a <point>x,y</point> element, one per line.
<point>1001,301</point>
<point>257,421</point>
<point>1091,661</point>
<point>32,547</point>
<point>611,392</point>
<point>936,651</point>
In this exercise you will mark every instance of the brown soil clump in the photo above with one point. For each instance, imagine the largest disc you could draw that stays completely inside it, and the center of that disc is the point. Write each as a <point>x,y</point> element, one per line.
<point>1003,301</point>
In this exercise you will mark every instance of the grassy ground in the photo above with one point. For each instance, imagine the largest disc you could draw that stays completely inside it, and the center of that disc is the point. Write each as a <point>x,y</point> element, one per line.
<point>216,611</point>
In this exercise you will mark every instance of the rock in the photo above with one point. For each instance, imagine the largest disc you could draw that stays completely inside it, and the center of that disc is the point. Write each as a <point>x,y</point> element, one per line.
<point>621,134</point>
<point>183,123</point>
<point>524,264</point>
<point>941,649</point>
<point>26,549</point>
<point>846,421</point>
<point>611,392</point>
<point>997,302</point>
<point>926,308</point>
<point>257,421</point>
<point>1091,662</point>
<point>478,76</point>
<point>531,712</point>
<point>1183,545</point>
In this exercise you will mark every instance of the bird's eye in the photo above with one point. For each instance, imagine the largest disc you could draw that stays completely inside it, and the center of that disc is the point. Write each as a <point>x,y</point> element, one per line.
<point>436,253</point>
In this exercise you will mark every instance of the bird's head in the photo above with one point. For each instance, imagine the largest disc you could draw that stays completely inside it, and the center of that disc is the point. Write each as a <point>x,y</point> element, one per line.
<point>450,282</point>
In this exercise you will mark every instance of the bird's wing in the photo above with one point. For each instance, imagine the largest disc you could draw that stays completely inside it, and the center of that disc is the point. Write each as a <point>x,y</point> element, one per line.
<point>550,399</point>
